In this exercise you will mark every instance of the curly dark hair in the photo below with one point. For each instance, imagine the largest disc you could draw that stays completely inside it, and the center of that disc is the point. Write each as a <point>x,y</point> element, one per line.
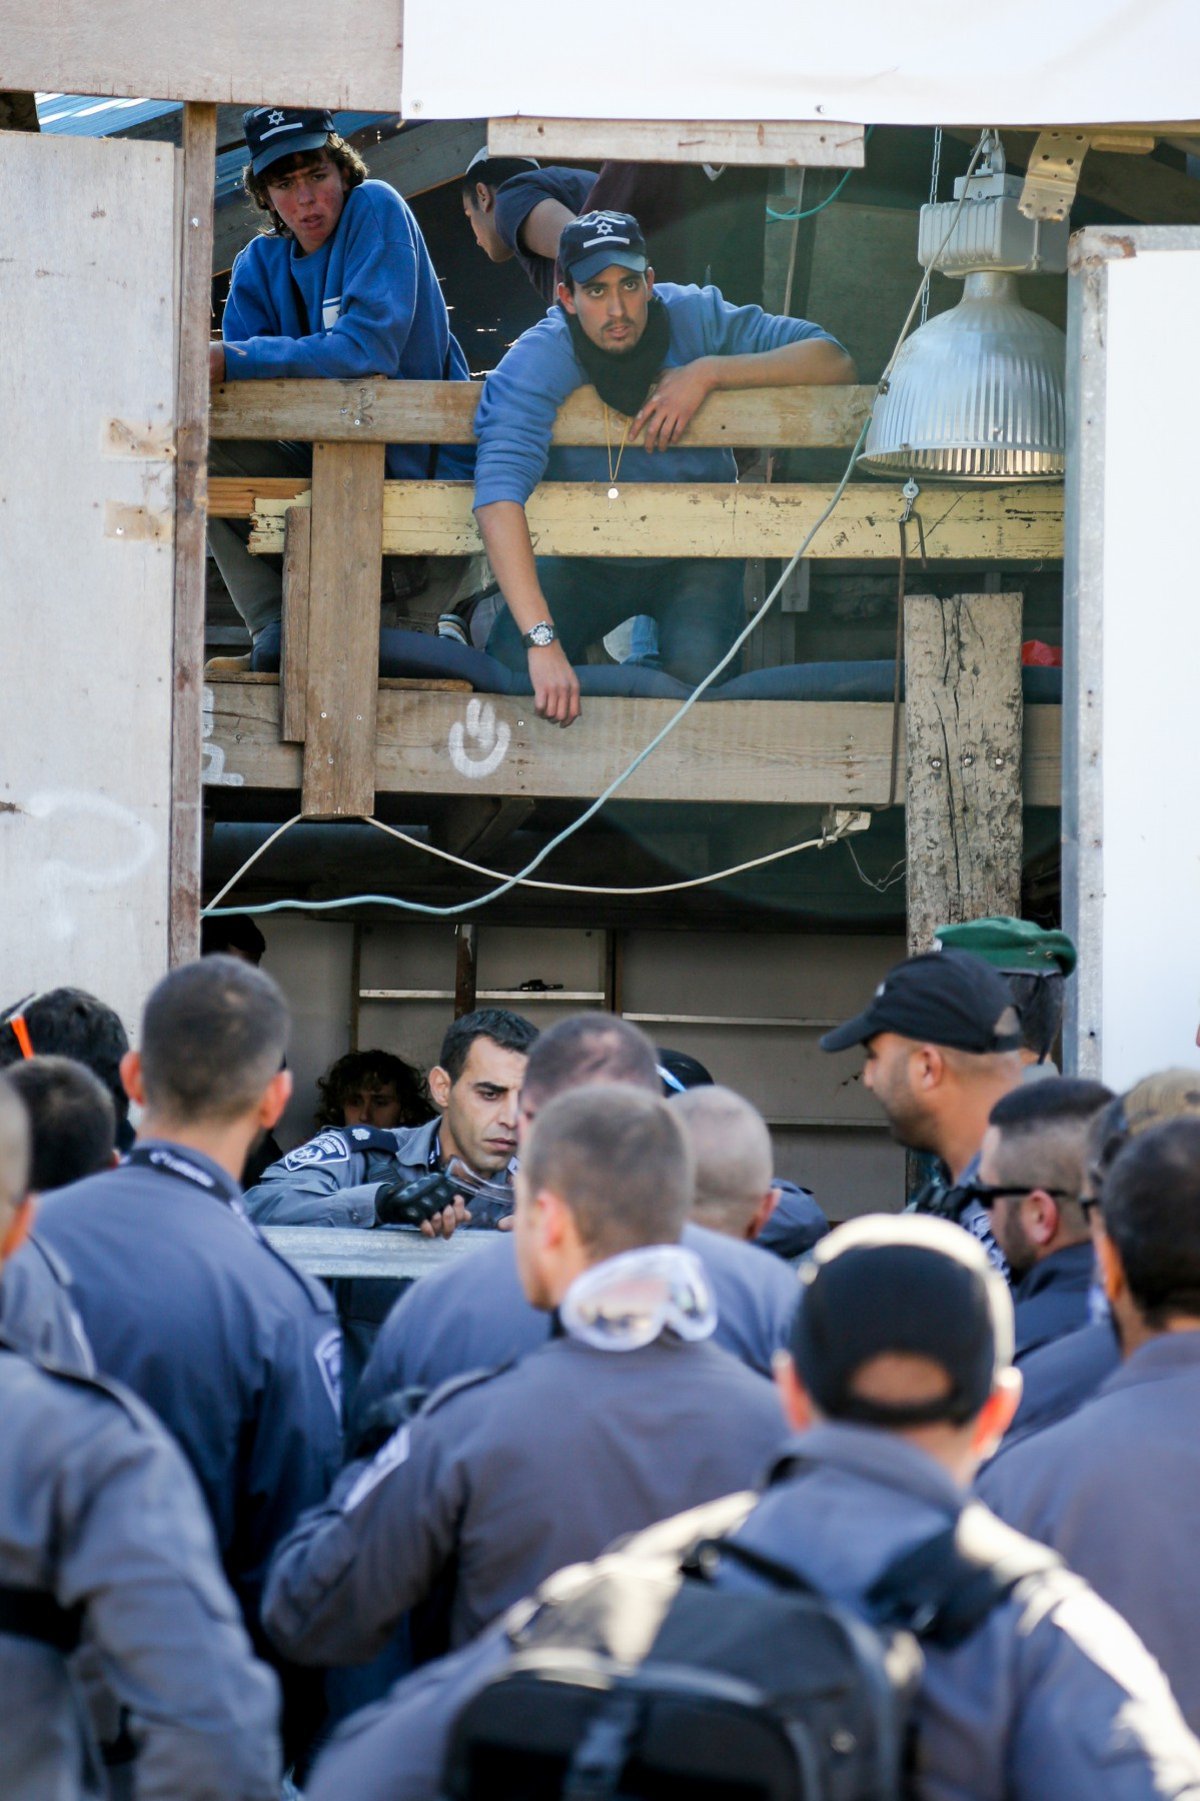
<point>343,155</point>
<point>350,1075</point>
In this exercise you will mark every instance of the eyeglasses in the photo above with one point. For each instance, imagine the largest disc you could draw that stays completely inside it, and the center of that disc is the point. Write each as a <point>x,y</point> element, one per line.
<point>987,1195</point>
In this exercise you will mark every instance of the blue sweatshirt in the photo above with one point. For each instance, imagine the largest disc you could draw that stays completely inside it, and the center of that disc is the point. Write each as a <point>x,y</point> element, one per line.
<point>367,302</point>
<point>524,392</point>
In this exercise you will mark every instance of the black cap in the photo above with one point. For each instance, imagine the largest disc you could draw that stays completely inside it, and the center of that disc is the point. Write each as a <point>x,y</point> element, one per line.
<point>943,997</point>
<point>904,1283</point>
<point>597,240</point>
<point>276,131</point>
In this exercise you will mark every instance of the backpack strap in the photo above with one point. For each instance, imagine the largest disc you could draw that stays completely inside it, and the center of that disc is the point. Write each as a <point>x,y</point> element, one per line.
<point>26,1613</point>
<point>946,1587</point>
<point>705,1556</point>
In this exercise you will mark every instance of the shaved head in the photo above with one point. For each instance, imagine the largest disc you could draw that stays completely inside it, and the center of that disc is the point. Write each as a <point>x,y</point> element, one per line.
<point>734,1161</point>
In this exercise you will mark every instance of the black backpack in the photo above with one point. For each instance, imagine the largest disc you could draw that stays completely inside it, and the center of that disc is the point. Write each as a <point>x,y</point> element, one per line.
<point>637,1678</point>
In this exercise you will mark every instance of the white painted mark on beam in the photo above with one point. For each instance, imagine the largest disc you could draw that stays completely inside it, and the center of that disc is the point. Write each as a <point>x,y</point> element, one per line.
<point>129,839</point>
<point>478,747</point>
<point>212,769</point>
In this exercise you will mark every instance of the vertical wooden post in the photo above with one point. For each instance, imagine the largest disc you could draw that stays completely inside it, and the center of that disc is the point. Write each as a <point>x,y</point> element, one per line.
<point>614,971</point>
<point>191,494</point>
<point>356,939</point>
<point>345,563</point>
<point>293,659</point>
<point>466,942</point>
<point>963,715</point>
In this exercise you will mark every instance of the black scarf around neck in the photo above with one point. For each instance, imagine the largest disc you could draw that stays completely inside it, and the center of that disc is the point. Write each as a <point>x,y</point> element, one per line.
<point>623,381</point>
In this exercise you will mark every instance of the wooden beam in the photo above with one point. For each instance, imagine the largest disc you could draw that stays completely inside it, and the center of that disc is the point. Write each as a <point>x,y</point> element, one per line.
<point>473,825</point>
<point>293,658</point>
<point>343,631</point>
<point>778,143</point>
<point>669,519</point>
<point>221,51</point>
<point>963,713</point>
<point>191,475</point>
<point>775,752</point>
<point>466,946</point>
<point>443,412</point>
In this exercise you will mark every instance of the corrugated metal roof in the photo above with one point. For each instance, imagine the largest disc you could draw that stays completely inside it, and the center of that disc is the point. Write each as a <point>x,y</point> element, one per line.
<point>92,116</point>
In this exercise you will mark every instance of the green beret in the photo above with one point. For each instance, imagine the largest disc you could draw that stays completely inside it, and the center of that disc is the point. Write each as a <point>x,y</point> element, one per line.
<point>1017,946</point>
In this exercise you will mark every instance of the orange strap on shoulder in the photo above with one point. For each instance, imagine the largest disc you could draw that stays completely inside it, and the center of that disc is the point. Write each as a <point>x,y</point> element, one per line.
<point>21,1034</point>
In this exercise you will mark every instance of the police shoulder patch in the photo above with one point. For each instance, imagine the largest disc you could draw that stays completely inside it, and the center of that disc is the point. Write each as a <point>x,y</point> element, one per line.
<point>326,1147</point>
<point>328,1353</point>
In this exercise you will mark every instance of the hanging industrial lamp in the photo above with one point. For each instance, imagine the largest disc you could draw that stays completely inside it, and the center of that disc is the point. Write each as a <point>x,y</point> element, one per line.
<point>977,393</point>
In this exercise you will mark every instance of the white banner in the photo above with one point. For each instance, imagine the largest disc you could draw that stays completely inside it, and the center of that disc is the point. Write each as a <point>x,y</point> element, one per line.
<point>931,62</point>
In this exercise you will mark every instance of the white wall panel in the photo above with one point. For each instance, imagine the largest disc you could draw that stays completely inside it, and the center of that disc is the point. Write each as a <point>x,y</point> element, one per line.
<point>88,262</point>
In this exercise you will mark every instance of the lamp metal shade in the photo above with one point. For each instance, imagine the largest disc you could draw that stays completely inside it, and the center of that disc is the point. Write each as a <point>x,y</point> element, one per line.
<point>977,394</point>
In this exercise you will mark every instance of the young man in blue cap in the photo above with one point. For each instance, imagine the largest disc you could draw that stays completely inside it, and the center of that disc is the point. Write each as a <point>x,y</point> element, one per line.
<point>654,354</point>
<point>339,284</point>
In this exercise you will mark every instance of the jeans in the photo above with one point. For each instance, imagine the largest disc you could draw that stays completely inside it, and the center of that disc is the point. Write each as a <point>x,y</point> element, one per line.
<point>255,584</point>
<point>697,603</point>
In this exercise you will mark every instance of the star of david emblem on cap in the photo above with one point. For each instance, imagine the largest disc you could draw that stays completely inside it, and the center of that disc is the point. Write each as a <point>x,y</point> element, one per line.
<point>603,227</point>
<point>275,118</point>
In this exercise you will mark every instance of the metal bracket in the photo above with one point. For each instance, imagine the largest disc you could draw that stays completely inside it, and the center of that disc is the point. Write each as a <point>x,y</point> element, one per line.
<point>1053,174</point>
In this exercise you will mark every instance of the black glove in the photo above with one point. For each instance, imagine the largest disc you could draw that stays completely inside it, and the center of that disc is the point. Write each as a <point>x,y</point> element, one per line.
<point>409,1202</point>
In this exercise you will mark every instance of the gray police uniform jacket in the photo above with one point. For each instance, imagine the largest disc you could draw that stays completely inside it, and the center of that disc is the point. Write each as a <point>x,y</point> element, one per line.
<point>99,1512</point>
<point>473,1315</point>
<point>1061,1376</point>
<point>1113,1490</point>
<point>236,1351</point>
<point>509,1475</point>
<point>37,1314</point>
<point>331,1180</point>
<point>1052,1699</point>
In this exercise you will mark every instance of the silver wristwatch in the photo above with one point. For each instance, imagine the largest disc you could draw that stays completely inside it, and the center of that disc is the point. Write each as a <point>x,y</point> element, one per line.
<point>540,635</point>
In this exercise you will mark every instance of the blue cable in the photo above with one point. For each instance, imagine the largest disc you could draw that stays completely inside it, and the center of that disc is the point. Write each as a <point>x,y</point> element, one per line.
<point>811,211</point>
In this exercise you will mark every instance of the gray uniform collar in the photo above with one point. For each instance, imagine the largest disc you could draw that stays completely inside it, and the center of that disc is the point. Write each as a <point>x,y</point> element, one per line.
<point>419,1145</point>
<point>877,1457</point>
<point>1170,1354</point>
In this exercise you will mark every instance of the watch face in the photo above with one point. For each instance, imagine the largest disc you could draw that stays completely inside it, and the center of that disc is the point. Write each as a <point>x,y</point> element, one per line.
<point>541,635</point>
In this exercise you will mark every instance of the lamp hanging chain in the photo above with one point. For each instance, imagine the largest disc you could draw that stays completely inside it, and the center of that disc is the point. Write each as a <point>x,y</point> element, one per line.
<point>935,174</point>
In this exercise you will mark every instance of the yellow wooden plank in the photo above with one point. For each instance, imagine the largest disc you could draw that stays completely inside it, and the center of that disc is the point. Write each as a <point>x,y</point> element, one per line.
<point>773,143</point>
<point>780,752</point>
<point>342,674</point>
<point>443,412</point>
<point>717,520</point>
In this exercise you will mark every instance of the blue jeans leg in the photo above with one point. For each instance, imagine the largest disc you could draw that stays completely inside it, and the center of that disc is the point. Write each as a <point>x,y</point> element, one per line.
<point>700,608</point>
<point>586,597</point>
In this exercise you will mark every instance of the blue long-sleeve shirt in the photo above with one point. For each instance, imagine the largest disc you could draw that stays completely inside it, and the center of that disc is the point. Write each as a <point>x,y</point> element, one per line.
<point>522,395</point>
<point>366,303</point>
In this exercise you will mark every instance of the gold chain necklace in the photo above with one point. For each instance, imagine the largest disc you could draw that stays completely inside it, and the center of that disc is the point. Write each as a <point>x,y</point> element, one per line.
<point>613,472</point>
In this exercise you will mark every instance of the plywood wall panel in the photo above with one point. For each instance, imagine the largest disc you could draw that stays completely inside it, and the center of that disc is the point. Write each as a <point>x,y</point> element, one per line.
<point>87,385</point>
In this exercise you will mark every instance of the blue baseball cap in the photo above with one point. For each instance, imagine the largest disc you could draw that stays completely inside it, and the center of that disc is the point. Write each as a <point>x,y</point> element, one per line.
<point>596,241</point>
<point>273,132</point>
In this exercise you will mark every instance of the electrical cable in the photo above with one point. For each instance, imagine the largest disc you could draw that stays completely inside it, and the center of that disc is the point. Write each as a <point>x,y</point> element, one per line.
<point>618,781</point>
<point>812,211</point>
<point>497,875</point>
<point>894,875</point>
<point>520,879</point>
